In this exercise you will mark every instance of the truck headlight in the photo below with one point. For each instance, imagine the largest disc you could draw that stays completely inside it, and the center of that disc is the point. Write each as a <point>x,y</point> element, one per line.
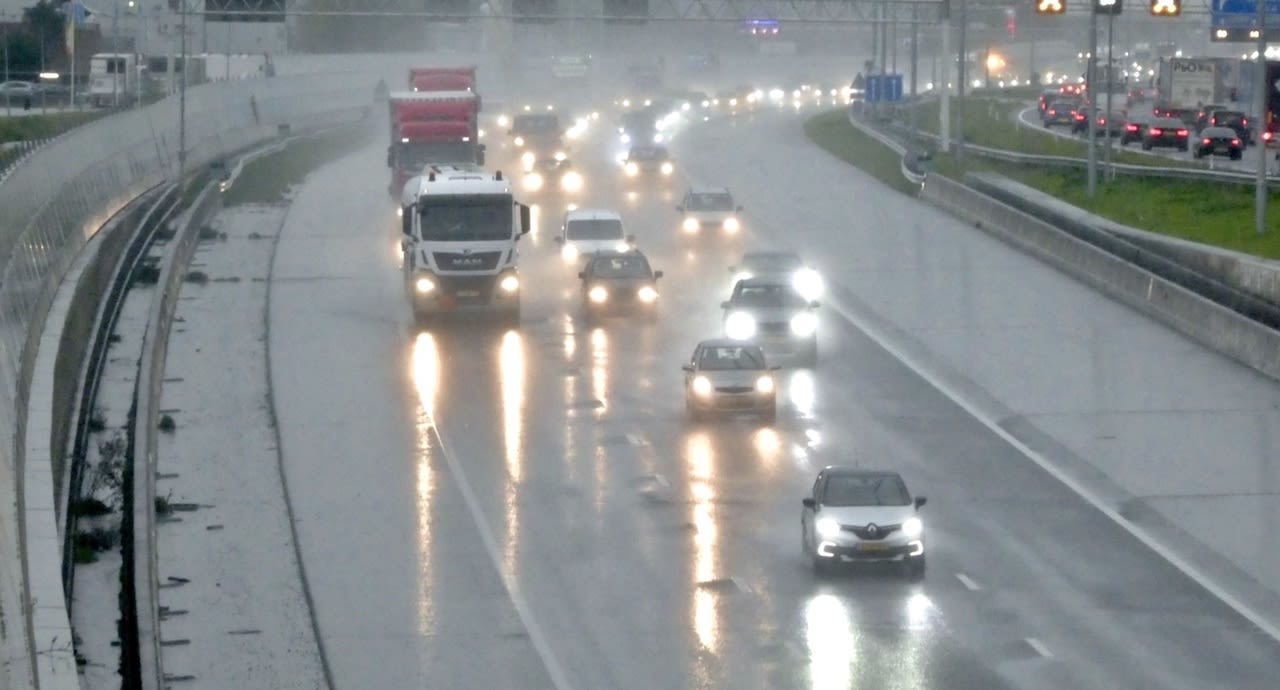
<point>740,326</point>
<point>509,283</point>
<point>912,527</point>
<point>732,225</point>
<point>519,141</point>
<point>424,285</point>
<point>528,159</point>
<point>701,385</point>
<point>533,182</point>
<point>827,528</point>
<point>598,294</point>
<point>690,225</point>
<point>804,325</point>
<point>569,253</point>
<point>764,384</point>
<point>647,294</point>
<point>808,283</point>
<point>632,169</point>
<point>571,182</point>
<point>668,168</point>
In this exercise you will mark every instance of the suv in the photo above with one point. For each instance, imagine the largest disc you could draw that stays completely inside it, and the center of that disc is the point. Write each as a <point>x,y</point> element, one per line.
<point>709,208</point>
<point>1235,120</point>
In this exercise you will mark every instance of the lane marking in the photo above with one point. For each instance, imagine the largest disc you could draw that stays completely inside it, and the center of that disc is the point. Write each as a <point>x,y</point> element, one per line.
<point>987,420</point>
<point>968,582</point>
<point>1040,648</point>
<point>637,440</point>
<point>536,636</point>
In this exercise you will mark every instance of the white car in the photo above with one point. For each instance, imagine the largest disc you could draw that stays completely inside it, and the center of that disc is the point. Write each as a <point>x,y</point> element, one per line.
<point>709,209</point>
<point>861,515</point>
<point>586,231</point>
<point>782,266</point>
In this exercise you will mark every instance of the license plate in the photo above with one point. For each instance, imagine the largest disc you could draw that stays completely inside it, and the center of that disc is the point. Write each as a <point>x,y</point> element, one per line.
<point>1219,149</point>
<point>468,293</point>
<point>873,546</point>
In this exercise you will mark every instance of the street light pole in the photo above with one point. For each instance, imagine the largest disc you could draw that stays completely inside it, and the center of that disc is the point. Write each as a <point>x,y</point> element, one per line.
<point>112,64</point>
<point>960,82</point>
<point>1111,76</point>
<point>943,75</point>
<point>1263,88</point>
<point>182,92</point>
<point>1090,85</point>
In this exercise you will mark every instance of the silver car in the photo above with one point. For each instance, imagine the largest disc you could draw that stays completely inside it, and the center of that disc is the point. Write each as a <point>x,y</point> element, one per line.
<point>861,515</point>
<point>726,376</point>
<point>709,209</point>
<point>782,266</point>
<point>771,313</point>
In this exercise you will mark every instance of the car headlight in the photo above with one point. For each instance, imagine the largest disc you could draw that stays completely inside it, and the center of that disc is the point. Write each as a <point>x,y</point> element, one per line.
<point>632,169</point>
<point>598,294</point>
<point>509,284</point>
<point>732,225</point>
<point>701,385</point>
<point>622,247</point>
<point>912,527</point>
<point>808,283</point>
<point>764,384</point>
<point>657,138</point>
<point>668,168</point>
<point>533,182</point>
<point>571,182</point>
<point>560,156</point>
<point>400,212</point>
<point>519,141</point>
<point>626,138</point>
<point>743,275</point>
<point>504,121</point>
<point>804,324</point>
<point>647,294</point>
<point>424,285</point>
<point>740,326</point>
<point>827,528</point>
<point>528,159</point>
<point>690,225</point>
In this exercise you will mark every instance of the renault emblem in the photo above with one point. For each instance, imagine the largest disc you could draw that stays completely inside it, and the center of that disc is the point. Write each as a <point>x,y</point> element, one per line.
<point>872,529</point>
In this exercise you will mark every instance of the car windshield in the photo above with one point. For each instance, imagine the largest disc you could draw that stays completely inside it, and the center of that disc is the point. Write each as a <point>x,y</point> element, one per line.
<point>648,153</point>
<point>767,296</point>
<point>1224,117</point>
<point>638,121</point>
<point>846,490</point>
<point>1218,133</point>
<point>536,124</point>
<point>634,266</point>
<point>731,357</point>
<point>594,229</point>
<point>771,263</point>
<point>717,201</point>
<point>418,155</point>
<point>467,219</point>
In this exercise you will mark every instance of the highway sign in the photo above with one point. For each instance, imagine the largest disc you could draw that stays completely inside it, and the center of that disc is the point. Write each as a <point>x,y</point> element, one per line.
<point>1242,14</point>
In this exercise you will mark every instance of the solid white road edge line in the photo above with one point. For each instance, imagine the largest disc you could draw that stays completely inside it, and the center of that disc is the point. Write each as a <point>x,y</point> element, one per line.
<point>1040,648</point>
<point>540,644</point>
<point>988,421</point>
<point>968,582</point>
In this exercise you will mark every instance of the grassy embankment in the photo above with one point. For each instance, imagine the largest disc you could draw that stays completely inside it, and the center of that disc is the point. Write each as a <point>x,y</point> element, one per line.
<point>1210,213</point>
<point>269,178</point>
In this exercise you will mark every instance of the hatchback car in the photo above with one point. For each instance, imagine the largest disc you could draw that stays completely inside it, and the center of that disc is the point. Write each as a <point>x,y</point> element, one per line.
<point>772,313</point>
<point>615,282</point>
<point>1059,112</point>
<point>1235,120</point>
<point>648,160</point>
<point>726,376</point>
<point>1134,129</point>
<point>1166,132</point>
<point>711,209</point>
<point>1080,118</point>
<point>862,515</point>
<point>1218,141</point>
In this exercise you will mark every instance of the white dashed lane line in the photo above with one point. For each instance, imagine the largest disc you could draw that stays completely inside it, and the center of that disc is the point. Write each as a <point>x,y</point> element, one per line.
<point>968,582</point>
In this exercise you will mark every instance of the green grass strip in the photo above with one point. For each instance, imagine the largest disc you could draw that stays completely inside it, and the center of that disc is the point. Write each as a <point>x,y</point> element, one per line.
<point>269,178</point>
<point>831,131</point>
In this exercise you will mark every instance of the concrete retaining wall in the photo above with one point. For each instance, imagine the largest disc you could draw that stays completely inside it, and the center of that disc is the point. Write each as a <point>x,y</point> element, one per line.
<point>1200,319</point>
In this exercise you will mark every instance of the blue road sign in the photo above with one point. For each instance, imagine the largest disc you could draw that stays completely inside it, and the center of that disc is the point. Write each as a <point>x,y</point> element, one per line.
<point>875,90</point>
<point>893,88</point>
<point>1243,14</point>
<point>884,88</point>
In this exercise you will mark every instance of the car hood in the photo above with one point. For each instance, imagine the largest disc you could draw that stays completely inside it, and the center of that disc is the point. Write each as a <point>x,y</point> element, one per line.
<point>710,215</point>
<point>585,247</point>
<point>621,284</point>
<point>767,315</point>
<point>865,515</point>
<point>734,377</point>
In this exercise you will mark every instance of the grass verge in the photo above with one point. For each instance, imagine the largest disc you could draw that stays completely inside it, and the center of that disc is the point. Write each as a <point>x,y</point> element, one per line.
<point>1216,214</point>
<point>26,127</point>
<point>832,131</point>
<point>269,179</point>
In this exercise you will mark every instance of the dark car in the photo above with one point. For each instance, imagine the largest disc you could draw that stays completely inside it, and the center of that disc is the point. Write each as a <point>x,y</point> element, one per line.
<point>1113,122</point>
<point>614,281</point>
<point>1205,116</point>
<point>1166,132</point>
<point>1060,112</point>
<point>1235,120</point>
<point>1219,141</point>
<point>1080,118</point>
<point>1134,128</point>
<point>1046,97</point>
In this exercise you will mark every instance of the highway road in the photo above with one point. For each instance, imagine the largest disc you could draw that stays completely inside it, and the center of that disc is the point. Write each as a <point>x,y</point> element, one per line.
<point>530,508</point>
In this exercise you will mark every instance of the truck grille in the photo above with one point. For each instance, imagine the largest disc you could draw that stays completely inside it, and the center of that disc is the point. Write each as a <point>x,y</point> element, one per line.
<point>468,289</point>
<point>457,261</point>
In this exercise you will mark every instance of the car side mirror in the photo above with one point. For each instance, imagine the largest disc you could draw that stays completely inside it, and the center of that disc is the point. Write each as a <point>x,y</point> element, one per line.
<point>809,503</point>
<point>657,274</point>
<point>724,305</point>
<point>815,304</point>
<point>920,501</point>
<point>679,209</point>
<point>559,239</point>
<point>687,367</point>
<point>526,221</point>
<point>582,275</point>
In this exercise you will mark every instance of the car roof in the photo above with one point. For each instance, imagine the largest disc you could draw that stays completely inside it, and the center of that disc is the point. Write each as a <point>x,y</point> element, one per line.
<point>854,471</point>
<point>763,281</point>
<point>615,254</point>
<point>592,214</point>
<point>708,190</point>
<point>769,255</point>
<point>727,342</point>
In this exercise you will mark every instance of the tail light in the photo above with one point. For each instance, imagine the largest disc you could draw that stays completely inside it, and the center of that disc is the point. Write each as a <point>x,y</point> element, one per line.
<point>1235,142</point>
<point>1052,111</point>
<point>1079,116</point>
<point>1182,132</point>
<point>1206,142</point>
<point>1266,136</point>
<point>1130,128</point>
<point>1155,132</point>
<point>1244,120</point>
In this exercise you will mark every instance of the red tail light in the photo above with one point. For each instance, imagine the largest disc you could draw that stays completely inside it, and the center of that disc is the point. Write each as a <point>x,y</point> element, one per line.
<point>1266,136</point>
<point>1182,132</point>
<point>1235,142</point>
<point>1130,128</point>
<point>1052,111</point>
<point>1079,116</point>
<point>1207,142</point>
<point>1244,120</point>
<point>1102,120</point>
<point>1155,132</point>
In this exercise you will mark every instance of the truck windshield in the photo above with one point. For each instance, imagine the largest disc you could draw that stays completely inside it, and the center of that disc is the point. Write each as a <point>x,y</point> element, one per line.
<point>480,218</point>
<point>415,155</point>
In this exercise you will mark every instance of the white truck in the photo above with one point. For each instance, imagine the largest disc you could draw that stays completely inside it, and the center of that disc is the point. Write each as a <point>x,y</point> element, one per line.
<point>461,225</point>
<point>113,79</point>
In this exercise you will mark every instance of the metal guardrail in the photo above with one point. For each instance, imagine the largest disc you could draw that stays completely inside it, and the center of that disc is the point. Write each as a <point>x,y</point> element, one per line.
<point>1150,171</point>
